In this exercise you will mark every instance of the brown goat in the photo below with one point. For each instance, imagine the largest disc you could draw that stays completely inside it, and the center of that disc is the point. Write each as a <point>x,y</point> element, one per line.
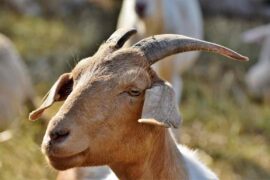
<point>116,108</point>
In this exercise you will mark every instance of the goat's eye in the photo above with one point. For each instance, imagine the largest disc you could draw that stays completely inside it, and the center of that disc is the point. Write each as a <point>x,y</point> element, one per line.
<point>134,92</point>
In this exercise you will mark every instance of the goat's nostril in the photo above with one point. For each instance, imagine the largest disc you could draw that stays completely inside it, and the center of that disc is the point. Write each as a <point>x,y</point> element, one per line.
<point>140,9</point>
<point>59,135</point>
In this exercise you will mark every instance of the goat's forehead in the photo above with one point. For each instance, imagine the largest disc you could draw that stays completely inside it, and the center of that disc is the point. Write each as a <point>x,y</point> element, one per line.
<point>114,65</point>
<point>118,72</point>
<point>80,67</point>
<point>85,67</point>
<point>111,67</point>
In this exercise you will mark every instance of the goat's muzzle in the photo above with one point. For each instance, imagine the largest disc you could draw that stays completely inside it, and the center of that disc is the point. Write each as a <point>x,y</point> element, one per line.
<point>60,151</point>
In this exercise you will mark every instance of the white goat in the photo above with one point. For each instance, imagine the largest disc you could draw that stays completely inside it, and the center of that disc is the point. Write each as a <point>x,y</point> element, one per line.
<point>116,109</point>
<point>16,88</point>
<point>258,77</point>
<point>152,17</point>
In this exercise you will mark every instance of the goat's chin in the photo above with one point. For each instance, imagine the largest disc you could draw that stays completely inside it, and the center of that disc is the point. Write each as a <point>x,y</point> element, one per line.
<point>63,163</point>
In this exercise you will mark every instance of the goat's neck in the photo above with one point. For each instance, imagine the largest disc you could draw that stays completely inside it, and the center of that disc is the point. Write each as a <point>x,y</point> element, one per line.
<point>163,161</point>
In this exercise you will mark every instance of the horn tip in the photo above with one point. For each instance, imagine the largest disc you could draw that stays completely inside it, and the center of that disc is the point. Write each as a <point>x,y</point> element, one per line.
<point>246,58</point>
<point>239,57</point>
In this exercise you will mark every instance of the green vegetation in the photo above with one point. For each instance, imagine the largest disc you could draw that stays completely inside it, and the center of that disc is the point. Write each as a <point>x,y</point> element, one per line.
<point>231,131</point>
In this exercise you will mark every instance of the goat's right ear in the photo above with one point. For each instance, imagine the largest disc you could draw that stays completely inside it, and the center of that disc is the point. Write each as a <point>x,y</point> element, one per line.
<point>59,92</point>
<point>160,106</point>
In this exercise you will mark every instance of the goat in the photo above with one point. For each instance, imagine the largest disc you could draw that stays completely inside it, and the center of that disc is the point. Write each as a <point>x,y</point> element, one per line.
<point>16,87</point>
<point>116,109</point>
<point>258,76</point>
<point>158,17</point>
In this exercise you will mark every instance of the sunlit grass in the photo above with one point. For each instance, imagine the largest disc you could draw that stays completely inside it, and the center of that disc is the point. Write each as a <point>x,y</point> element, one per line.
<point>21,158</point>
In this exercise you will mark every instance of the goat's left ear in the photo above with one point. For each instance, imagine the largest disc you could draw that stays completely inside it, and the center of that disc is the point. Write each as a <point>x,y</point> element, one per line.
<point>160,106</point>
<point>59,92</point>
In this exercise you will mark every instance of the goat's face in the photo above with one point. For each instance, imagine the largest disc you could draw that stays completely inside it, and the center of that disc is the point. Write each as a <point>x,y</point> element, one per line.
<point>105,98</point>
<point>99,113</point>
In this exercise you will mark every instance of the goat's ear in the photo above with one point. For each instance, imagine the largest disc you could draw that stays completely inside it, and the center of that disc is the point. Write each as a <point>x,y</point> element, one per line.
<point>59,92</point>
<point>160,106</point>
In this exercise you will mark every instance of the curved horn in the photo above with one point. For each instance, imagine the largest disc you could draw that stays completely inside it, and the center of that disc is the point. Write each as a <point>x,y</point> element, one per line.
<point>119,37</point>
<point>160,46</point>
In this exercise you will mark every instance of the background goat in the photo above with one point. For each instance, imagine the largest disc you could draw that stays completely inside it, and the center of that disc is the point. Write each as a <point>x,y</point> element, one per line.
<point>16,88</point>
<point>258,76</point>
<point>161,17</point>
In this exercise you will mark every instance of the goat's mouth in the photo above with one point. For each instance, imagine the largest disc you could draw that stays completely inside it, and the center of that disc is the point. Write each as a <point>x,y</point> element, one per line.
<point>66,162</point>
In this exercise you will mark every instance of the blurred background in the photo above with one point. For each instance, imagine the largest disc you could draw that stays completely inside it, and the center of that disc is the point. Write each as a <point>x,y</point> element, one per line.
<point>229,125</point>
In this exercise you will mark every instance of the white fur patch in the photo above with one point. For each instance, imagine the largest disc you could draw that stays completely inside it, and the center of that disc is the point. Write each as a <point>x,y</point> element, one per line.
<point>111,176</point>
<point>196,169</point>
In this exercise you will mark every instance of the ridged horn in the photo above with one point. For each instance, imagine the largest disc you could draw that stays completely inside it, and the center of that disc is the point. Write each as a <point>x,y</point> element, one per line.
<point>160,46</point>
<point>119,37</point>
